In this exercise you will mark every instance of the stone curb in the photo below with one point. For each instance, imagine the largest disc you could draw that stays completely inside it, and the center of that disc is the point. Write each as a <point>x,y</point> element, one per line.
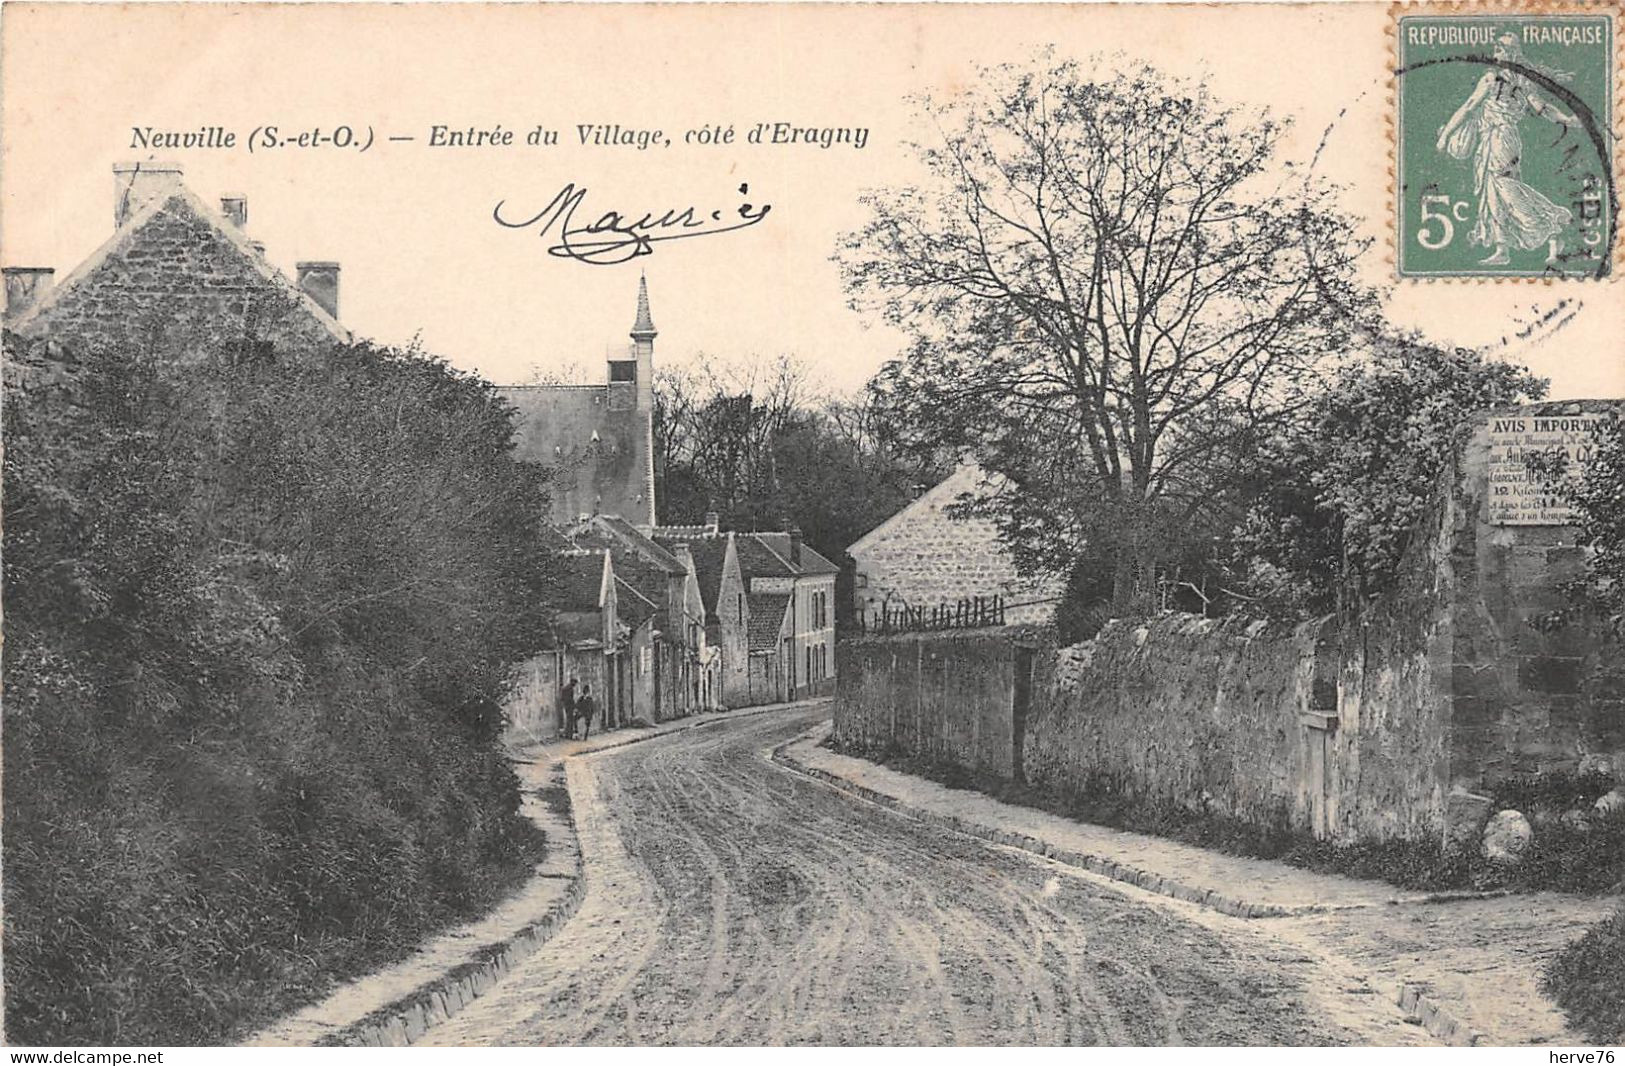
<point>1423,1010</point>
<point>1116,871</point>
<point>407,1018</point>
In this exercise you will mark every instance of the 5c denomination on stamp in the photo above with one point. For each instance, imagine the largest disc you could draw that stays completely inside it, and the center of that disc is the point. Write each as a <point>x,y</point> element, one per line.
<point>1504,142</point>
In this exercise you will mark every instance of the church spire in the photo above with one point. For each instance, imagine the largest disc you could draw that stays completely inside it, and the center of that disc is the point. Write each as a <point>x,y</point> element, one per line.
<point>644,328</point>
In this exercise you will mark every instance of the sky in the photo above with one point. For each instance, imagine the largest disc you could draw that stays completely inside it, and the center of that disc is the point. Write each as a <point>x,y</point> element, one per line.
<point>412,224</point>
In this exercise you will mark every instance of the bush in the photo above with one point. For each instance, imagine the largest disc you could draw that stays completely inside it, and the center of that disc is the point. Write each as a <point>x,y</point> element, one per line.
<point>260,608</point>
<point>1588,981</point>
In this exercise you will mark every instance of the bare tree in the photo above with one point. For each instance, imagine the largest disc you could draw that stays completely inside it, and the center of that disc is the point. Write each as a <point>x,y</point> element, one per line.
<point>1111,283</point>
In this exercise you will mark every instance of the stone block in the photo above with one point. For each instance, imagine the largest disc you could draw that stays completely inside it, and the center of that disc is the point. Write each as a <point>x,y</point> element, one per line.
<point>1465,815</point>
<point>1550,673</point>
<point>1507,837</point>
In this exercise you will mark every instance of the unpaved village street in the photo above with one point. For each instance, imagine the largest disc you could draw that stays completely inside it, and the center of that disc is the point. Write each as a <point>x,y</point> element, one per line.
<point>732,901</point>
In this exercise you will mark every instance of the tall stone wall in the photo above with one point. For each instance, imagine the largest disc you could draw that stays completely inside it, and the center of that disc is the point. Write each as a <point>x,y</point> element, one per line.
<point>1525,697</point>
<point>946,697</point>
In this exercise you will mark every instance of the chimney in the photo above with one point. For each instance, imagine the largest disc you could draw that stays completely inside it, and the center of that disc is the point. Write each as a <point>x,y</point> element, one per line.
<point>24,287</point>
<point>235,208</point>
<point>713,522</point>
<point>684,556</point>
<point>319,280</point>
<point>135,185</point>
<point>795,546</point>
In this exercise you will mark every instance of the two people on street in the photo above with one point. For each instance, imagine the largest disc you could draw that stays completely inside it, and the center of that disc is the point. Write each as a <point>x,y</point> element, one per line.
<point>578,710</point>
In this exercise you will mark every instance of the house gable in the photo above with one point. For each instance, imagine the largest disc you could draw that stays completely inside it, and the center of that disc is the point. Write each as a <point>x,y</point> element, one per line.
<point>178,269</point>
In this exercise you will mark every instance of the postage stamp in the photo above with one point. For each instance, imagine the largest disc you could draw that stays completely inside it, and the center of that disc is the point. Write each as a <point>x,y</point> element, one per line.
<point>1504,143</point>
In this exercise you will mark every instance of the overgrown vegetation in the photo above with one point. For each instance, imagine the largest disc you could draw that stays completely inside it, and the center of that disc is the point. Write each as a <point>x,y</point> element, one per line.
<point>1563,857</point>
<point>1336,496</point>
<point>260,608</point>
<point>1588,981</point>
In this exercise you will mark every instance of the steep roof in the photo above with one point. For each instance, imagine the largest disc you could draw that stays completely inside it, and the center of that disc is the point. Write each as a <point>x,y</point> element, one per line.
<point>768,555</point>
<point>190,263</point>
<point>710,553</point>
<point>615,532</point>
<point>766,619</point>
<point>811,562</point>
<point>581,580</point>
<point>757,559</point>
<point>633,606</point>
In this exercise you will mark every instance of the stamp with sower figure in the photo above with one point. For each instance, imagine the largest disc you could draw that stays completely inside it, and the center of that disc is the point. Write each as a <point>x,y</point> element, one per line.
<point>1504,161</point>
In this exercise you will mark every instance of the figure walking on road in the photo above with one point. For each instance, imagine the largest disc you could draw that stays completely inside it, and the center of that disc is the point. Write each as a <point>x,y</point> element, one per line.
<point>584,710</point>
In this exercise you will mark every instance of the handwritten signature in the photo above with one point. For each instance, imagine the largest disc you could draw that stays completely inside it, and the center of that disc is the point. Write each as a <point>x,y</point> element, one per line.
<point>617,236</point>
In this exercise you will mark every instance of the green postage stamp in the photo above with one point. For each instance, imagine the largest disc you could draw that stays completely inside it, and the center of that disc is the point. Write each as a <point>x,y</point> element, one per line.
<point>1505,142</point>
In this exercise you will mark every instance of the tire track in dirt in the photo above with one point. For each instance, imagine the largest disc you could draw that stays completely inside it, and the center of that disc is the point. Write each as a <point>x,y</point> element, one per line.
<point>730,902</point>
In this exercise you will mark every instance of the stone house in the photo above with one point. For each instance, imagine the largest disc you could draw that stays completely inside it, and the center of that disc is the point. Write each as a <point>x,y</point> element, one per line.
<point>770,635</point>
<point>781,564</point>
<point>598,439</point>
<point>176,271</point>
<point>722,589</point>
<point>602,631</point>
<point>923,557</point>
<point>679,677</point>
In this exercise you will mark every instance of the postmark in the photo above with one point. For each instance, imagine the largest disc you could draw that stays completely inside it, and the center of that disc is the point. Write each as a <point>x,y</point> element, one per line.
<point>1504,141</point>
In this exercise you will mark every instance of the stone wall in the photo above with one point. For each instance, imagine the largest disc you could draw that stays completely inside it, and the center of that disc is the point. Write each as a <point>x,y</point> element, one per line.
<point>942,696</point>
<point>1394,719</point>
<point>1182,709</point>
<point>1524,698</point>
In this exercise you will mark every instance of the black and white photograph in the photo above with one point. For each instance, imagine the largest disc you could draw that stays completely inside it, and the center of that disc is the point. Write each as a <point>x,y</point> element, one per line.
<point>872,525</point>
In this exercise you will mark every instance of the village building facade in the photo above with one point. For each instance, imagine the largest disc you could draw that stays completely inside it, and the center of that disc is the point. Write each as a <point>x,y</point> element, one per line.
<point>681,675</point>
<point>723,593</point>
<point>179,274</point>
<point>925,557</point>
<point>802,663</point>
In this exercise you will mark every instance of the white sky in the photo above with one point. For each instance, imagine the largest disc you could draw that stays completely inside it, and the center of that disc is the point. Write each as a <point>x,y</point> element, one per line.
<point>411,225</point>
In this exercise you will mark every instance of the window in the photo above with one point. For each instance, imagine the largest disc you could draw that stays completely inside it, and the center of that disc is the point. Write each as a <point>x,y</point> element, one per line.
<point>741,608</point>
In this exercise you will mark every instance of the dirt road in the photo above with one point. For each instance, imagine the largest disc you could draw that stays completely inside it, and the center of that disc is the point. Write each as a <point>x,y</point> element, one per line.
<point>731,901</point>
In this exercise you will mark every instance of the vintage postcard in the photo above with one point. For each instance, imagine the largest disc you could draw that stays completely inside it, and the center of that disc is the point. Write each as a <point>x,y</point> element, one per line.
<point>827,524</point>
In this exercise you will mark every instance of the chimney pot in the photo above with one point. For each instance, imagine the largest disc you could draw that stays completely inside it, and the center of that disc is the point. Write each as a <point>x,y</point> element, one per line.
<point>135,185</point>
<point>235,208</point>
<point>319,279</point>
<point>25,286</point>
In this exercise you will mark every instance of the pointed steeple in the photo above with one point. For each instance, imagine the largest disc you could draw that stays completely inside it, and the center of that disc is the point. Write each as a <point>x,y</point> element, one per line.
<point>644,328</point>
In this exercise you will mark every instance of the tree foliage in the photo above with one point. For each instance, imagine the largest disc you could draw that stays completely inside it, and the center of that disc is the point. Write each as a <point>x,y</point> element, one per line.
<point>260,611</point>
<point>760,447</point>
<point>1111,294</point>
<point>1339,490</point>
